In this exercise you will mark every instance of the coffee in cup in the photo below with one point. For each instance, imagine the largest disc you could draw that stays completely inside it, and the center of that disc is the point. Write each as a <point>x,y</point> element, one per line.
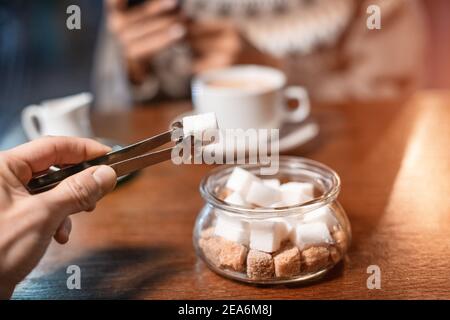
<point>248,96</point>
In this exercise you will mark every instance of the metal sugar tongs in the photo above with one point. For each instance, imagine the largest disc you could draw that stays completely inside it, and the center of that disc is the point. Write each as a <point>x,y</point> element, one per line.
<point>124,161</point>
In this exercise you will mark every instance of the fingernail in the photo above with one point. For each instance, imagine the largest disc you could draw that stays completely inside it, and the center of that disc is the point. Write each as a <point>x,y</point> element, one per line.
<point>169,4</point>
<point>177,31</point>
<point>67,228</point>
<point>105,177</point>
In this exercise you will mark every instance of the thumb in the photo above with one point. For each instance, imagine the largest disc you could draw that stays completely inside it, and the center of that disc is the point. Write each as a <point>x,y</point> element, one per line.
<point>79,192</point>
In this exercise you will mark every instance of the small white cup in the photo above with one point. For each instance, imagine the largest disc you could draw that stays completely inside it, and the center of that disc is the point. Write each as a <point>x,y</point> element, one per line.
<point>259,103</point>
<point>67,116</point>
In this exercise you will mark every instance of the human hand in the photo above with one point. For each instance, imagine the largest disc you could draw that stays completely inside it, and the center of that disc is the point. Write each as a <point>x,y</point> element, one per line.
<point>28,222</point>
<point>215,44</point>
<point>143,31</point>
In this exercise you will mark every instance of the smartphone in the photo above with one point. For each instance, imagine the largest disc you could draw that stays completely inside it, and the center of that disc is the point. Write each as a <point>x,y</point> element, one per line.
<point>132,3</point>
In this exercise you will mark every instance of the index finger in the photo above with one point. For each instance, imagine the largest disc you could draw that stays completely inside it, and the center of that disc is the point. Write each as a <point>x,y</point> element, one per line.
<point>41,154</point>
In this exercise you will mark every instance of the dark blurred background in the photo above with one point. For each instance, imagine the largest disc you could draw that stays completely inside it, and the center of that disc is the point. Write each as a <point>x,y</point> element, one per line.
<point>40,58</point>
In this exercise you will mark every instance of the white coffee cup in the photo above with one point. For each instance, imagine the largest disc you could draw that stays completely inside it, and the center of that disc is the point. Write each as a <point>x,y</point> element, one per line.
<point>248,96</point>
<point>67,116</point>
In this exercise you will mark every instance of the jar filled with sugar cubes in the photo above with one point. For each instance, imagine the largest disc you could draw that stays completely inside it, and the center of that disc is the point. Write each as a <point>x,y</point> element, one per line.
<point>284,228</point>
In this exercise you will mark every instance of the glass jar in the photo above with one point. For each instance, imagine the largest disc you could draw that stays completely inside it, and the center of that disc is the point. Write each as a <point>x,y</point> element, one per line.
<point>313,236</point>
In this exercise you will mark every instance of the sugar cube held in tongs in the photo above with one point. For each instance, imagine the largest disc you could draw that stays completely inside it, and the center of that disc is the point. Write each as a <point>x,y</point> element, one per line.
<point>136,156</point>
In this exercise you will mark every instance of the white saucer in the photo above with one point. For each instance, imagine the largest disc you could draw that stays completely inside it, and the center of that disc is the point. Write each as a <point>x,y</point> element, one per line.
<point>292,135</point>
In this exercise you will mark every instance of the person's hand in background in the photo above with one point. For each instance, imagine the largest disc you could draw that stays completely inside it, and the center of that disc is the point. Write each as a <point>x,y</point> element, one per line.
<point>143,31</point>
<point>215,44</point>
<point>28,222</point>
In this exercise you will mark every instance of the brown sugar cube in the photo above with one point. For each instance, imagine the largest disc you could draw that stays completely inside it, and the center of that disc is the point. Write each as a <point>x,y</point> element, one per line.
<point>260,265</point>
<point>335,254</point>
<point>224,253</point>
<point>233,256</point>
<point>211,249</point>
<point>207,233</point>
<point>315,258</point>
<point>341,240</point>
<point>287,261</point>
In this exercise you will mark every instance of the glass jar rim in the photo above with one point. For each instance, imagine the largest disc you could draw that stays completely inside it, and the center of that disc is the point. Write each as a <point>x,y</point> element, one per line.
<point>329,195</point>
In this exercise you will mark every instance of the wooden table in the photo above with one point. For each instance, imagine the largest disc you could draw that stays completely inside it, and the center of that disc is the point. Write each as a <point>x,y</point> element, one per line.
<point>394,161</point>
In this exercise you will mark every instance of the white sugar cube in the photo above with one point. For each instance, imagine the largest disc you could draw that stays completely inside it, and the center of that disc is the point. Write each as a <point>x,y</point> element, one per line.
<point>240,181</point>
<point>323,214</point>
<point>306,234</point>
<point>268,235</point>
<point>262,195</point>
<point>295,193</point>
<point>231,228</point>
<point>274,183</point>
<point>289,223</point>
<point>197,124</point>
<point>236,199</point>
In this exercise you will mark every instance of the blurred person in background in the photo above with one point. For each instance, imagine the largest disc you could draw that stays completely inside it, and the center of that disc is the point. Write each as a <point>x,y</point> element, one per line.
<point>152,49</point>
